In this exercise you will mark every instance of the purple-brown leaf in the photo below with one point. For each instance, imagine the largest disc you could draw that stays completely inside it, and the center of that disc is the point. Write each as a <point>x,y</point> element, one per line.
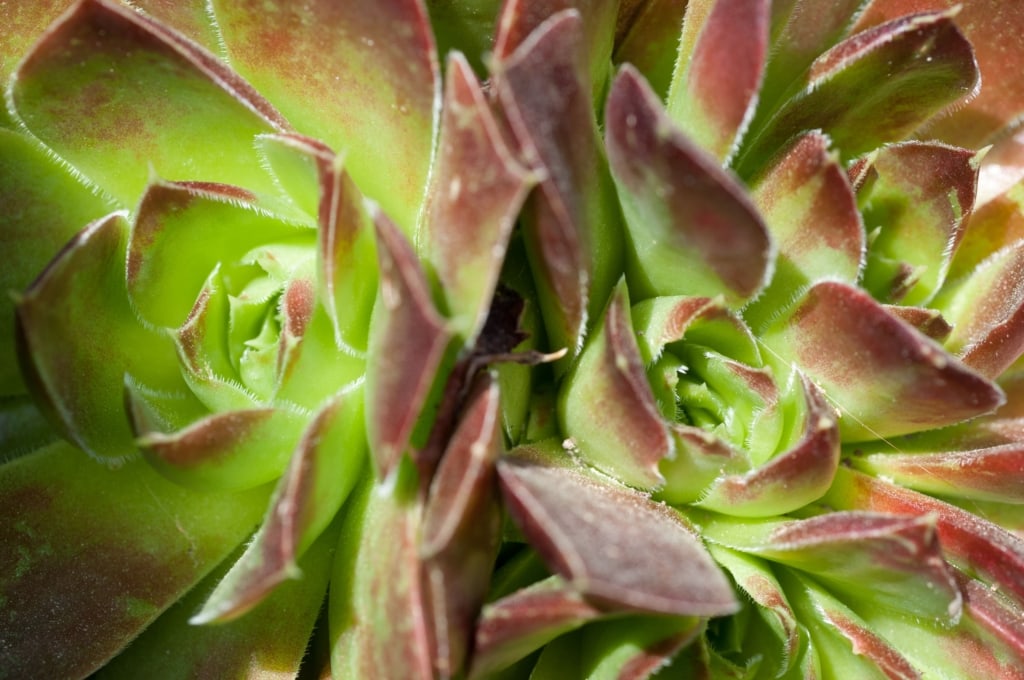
<point>885,377</point>
<point>462,529</point>
<point>684,213</point>
<point>407,345</point>
<point>715,87</point>
<point>478,188</point>
<point>570,224</point>
<point>590,532</point>
<point>993,28</point>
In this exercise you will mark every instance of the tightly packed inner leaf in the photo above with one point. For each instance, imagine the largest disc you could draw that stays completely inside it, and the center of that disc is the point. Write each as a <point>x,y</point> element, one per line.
<point>512,339</point>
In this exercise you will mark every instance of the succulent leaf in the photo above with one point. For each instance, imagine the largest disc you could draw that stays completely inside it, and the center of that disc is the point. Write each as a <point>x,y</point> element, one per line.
<point>886,378</point>
<point>992,28</point>
<point>407,345</point>
<point>571,227</point>
<point>919,202</point>
<point>369,85</point>
<point>45,206</point>
<point>811,213</point>
<point>81,295</point>
<point>109,572</point>
<point>714,89</point>
<point>590,543</point>
<point>323,470</point>
<point>683,212</point>
<point>608,405</point>
<point>478,187</point>
<point>875,87</point>
<point>109,89</point>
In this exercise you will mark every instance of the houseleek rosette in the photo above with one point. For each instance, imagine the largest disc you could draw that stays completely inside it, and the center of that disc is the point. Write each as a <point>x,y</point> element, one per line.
<point>294,354</point>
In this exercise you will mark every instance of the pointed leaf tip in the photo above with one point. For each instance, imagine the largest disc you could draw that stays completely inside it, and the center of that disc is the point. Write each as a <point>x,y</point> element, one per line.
<point>683,212</point>
<point>407,345</point>
<point>616,545</point>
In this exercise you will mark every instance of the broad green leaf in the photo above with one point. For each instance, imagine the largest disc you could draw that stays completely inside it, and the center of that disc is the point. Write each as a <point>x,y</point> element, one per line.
<point>81,337</point>
<point>108,571</point>
<point>45,205</point>
<point>271,642</point>
<point>120,96</point>
<point>362,77</point>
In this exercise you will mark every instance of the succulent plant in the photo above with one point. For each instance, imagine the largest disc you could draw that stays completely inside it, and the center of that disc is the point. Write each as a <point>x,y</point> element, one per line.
<point>421,339</point>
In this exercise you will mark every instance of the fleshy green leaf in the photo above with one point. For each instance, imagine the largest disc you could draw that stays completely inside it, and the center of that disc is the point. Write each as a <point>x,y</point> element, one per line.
<point>80,337</point>
<point>593,541</point>
<point>407,345</point>
<point>225,451</point>
<point>44,206</point>
<point>323,470</point>
<point>181,232</point>
<point>120,96</point>
<point>271,641</point>
<point>478,188</point>
<point>378,622</point>
<point>570,224</point>
<point>647,36</point>
<point>714,89</point>
<point>634,648</point>
<point>87,582</point>
<point>890,560</point>
<point>801,30</point>
<point>346,279</point>
<point>521,18</point>
<point>846,646</point>
<point>987,313</point>
<point>885,377</point>
<point>875,87</point>
<point>607,406</point>
<point>791,479</point>
<point>811,212</point>
<point>919,202</point>
<point>684,213</point>
<point>978,545</point>
<point>516,625</point>
<point>362,77</point>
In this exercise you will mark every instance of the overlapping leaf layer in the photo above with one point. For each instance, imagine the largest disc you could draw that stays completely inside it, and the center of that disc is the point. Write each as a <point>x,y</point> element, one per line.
<point>527,339</point>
